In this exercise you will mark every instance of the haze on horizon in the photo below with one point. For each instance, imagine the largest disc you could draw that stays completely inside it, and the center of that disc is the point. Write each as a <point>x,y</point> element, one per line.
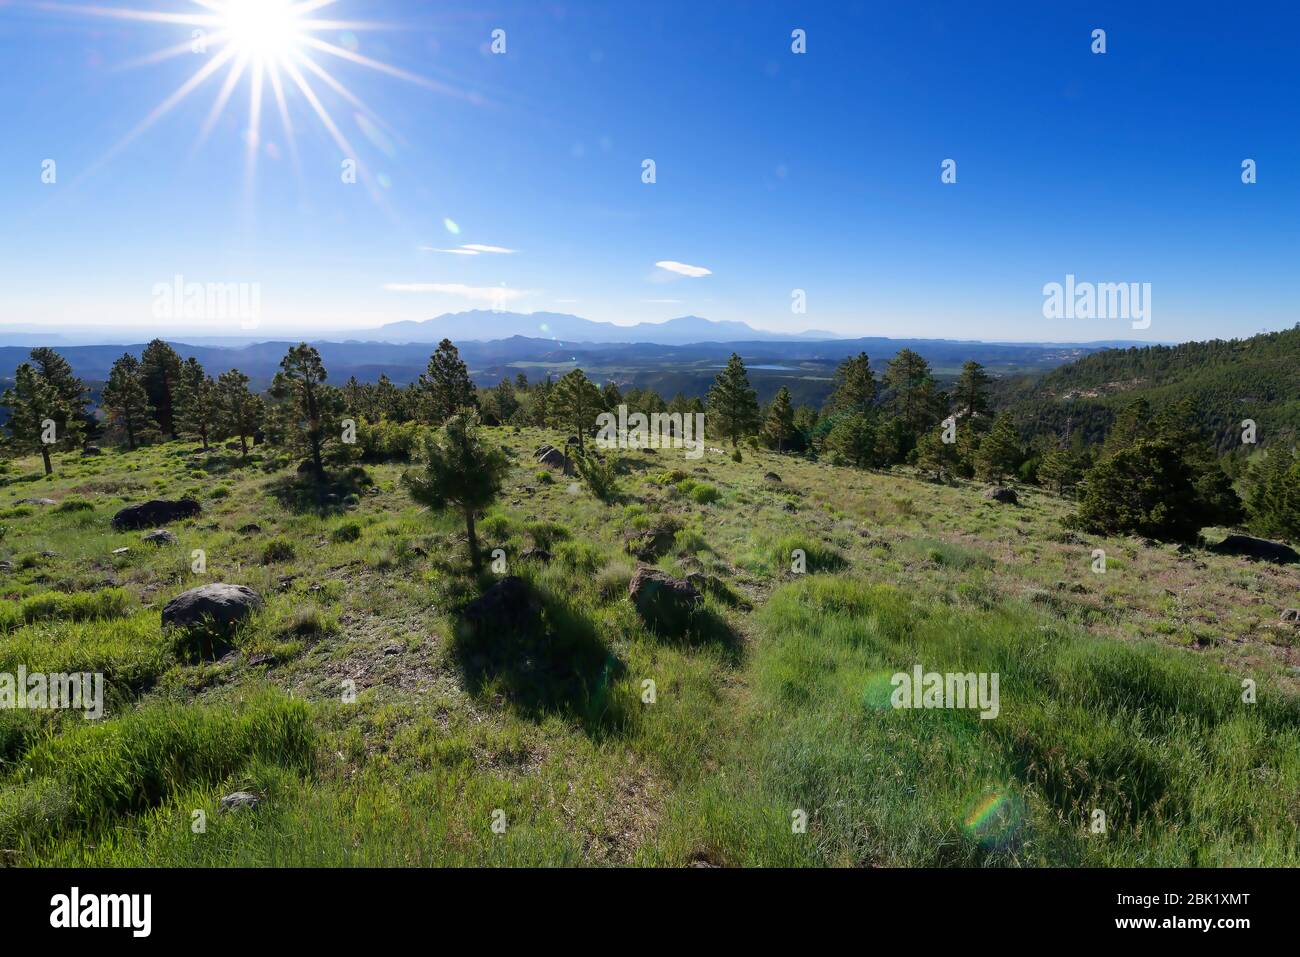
<point>514,178</point>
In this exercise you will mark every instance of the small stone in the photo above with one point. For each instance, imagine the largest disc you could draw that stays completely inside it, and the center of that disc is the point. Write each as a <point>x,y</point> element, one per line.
<point>160,536</point>
<point>121,551</point>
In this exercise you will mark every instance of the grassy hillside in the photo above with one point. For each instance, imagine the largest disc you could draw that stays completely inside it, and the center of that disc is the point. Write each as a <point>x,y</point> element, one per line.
<point>1119,691</point>
<point>1256,378</point>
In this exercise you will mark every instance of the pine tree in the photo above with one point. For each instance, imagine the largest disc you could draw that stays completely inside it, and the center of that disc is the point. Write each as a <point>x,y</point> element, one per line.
<point>196,402</point>
<point>1000,452</point>
<point>779,427</point>
<point>732,404</point>
<point>55,370</point>
<point>1062,468</point>
<point>446,385</point>
<point>35,409</point>
<point>1129,426</point>
<point>971,393</point>
<point>127,402</point>
<point>1274,497</point>
<point>460,471</point>
<point>853,440</point>
<point>855,386</point>
<point>160,371</point>
<point>307,413</point>
<point>934,455</point>
<point>575,403</point>
<point>238,412</point>
<point>502,401</point>
<point>915,400</point>
<point>1142,489</point>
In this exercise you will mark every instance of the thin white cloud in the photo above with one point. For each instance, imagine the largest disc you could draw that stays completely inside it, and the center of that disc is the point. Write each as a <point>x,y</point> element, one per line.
<point>683,269</point>
<point>491,294</point>
<point>469,249</point>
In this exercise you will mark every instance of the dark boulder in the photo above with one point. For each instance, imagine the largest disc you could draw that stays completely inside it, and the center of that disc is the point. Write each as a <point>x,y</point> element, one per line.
<point>216,609</point>
<point>1291,614</point>
<point>556,459</point>
<point>647,544</point>
<point>154,514</point>
<point>665,603</point>
<point>1007,496</point>
<point>1257,548</point>
<point>773,478</point>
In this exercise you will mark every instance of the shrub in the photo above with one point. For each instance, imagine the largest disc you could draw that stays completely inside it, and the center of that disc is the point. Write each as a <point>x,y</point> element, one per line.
<point>278,550</point>
<point>817,556</point>
<point>599,473</point>
<point>613,580</point>
<point>545,534</point>
<point>74,505</point>
<point>705,494</point>
<point>347,532</point>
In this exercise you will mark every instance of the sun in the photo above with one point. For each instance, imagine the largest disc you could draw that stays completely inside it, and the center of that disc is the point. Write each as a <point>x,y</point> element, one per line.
<point>263,30</point>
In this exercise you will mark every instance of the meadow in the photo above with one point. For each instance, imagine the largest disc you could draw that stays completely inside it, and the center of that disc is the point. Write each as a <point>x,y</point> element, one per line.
<point>376,729</point>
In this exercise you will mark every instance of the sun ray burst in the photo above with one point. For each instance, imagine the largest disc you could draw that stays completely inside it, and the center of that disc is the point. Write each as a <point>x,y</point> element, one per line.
<point>264,41</point>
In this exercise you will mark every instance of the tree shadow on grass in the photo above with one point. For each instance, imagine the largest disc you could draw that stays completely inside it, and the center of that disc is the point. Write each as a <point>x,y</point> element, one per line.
<point>327,496</point>
<point>543,656</point>
<point>707,628</point>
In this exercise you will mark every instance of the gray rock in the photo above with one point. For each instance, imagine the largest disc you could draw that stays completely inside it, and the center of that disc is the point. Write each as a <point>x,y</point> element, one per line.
<point>663,602</point>
<point>37,501</point>
<point>218,606</point>
<point>1291,614</point>
<point>154,514</point>
<point>535,554</point>
<point>238,801</point>
<point>773,478</point>
<point>160,536</point>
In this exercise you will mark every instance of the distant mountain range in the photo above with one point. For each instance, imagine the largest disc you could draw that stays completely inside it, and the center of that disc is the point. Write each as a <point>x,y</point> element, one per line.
<point>481,325</point>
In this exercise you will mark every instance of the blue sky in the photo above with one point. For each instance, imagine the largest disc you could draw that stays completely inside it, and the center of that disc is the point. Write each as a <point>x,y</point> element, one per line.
<point>775,171</point>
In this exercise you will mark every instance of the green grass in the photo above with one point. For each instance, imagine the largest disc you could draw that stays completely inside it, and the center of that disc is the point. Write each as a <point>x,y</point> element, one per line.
<point>603,742</point>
